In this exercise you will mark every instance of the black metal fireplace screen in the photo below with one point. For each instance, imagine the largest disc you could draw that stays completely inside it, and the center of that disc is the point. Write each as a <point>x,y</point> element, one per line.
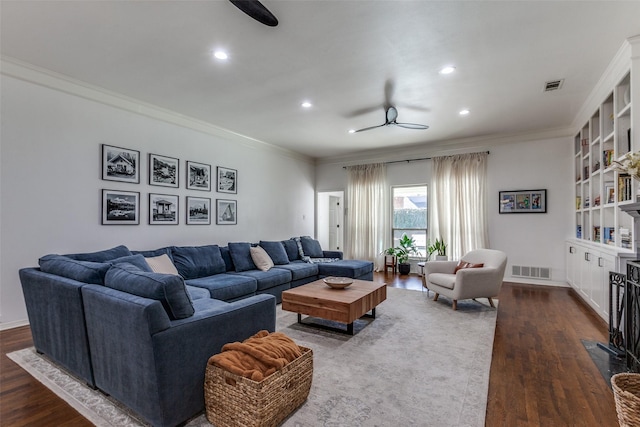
<point>632,316</point>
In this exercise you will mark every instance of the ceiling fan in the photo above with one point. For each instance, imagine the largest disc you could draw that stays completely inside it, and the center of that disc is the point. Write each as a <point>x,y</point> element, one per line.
<point>257,11</point>
<point>390,120</point>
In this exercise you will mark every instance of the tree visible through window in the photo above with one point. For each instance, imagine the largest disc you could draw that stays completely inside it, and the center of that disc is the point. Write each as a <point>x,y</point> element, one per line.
<point>410,215</point>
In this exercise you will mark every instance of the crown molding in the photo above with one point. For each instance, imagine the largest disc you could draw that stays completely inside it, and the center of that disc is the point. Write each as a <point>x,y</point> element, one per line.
<point>15,68</point>
<point>444,147</point>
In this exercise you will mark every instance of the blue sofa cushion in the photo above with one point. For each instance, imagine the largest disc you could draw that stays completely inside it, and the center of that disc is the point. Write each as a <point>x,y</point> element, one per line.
<point>226,287</point>
<point>198,261</point>
<point>311,247</point>
<point>197,293</point>
<point>276,251</point>
<point>226,256</point>
<point>169,289</point>
<point>291,247</point>
<point>82,271</point>
<point>268,279</point>
<point>353,268</point>
<point>155,253</point>
<point>300,269</point>
<point>137,260</point>
<point>241,256</point>
<point>102,256</point>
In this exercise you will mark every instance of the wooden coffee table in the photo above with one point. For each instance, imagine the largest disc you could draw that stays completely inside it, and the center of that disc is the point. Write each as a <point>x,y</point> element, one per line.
<point>316,299</point>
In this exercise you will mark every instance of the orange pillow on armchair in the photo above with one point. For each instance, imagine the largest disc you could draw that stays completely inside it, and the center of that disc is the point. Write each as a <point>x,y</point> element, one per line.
<point>464,264</point>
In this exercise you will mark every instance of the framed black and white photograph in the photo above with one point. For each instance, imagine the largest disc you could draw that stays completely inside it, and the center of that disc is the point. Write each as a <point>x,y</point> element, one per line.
<point>523,201</point>
<point>120,207</point>
<point>163,209</point>
<point>198,176</point>
<point>163,171</point>
<point>198,210</point>
<point>120,164</point>
<point>226,212</point>
<point>227,180</point>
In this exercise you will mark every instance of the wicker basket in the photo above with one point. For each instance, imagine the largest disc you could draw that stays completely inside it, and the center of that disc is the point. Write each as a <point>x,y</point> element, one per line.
<point>626,390</point>
<point>232,400</point>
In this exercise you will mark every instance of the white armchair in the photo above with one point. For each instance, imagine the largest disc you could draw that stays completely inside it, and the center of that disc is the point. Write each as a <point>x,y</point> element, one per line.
<point>466,283</point>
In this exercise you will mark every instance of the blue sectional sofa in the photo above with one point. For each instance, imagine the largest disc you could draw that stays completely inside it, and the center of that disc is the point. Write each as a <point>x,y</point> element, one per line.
<point>144,336</point>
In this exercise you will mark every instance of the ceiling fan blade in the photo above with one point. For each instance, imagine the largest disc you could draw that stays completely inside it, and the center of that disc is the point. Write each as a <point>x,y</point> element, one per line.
<point>371,127</point>
<point>411,125</point>
<point>257,11</point>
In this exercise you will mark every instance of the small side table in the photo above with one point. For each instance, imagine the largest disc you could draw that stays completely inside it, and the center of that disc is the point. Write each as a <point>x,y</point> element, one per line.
<point>424,278</point>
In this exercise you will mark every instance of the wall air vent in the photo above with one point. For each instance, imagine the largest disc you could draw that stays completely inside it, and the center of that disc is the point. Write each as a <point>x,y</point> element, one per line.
<point>553,85</point>
<point>543,273</point>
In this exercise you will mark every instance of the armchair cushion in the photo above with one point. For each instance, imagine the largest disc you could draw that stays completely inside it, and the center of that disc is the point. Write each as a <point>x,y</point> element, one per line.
<point>443,279</point>
<point>463,264</point>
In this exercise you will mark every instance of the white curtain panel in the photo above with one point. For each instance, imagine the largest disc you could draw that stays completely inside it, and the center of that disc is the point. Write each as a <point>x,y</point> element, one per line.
<point>459,203</point>
<point>367,212</point>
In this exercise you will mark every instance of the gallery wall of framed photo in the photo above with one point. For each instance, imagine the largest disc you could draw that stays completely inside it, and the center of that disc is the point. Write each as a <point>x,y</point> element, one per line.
<point>123,206</point>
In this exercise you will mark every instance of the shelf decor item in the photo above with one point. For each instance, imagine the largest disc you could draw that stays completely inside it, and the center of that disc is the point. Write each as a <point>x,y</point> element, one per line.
<point>629,164</point>
<point>525,201</point>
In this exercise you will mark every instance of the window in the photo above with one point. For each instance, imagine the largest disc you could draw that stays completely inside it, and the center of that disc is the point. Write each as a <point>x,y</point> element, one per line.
<point>410,215</point>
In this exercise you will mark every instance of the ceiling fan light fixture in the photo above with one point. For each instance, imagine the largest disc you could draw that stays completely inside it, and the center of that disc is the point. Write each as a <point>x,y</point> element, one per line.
<point>447,69</point>
<point>352,131</point>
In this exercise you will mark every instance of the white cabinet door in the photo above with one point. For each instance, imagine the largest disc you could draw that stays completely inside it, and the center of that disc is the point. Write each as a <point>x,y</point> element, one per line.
<point>571,264</point>
<point>584,280</point>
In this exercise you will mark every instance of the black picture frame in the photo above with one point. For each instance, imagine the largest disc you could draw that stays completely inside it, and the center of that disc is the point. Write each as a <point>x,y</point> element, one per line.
<point>522,201</point>
<point>198,176</point>
<point>164,171</point>
<point>120,207</point>
<point>198,211</point>
<point>227,180</point>
<point>120,164</point>
<point>226,212</point>
<point>163,209</point>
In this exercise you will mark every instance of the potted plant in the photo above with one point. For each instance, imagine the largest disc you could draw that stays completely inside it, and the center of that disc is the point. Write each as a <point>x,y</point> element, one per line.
<point>406,246</point>
<point>440,247</point>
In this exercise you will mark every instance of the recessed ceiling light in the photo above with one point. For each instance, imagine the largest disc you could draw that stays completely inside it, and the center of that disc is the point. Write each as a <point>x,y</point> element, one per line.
<point>464,112</point>
<point>219,54</point>
<point>447,70</point>
<point>306,104</point>
<point>352,131</point>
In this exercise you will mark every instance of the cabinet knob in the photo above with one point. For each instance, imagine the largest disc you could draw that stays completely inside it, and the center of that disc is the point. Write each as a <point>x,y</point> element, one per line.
<point>600,264</point>
<point>586,256</point>
<point>572,250</point>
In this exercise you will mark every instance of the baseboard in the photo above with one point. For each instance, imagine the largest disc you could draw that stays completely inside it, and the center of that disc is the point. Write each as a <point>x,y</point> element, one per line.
<point>529,281</point>
<point>14,324</point>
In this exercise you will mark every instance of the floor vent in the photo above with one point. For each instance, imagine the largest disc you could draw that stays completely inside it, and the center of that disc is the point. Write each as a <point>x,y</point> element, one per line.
<point>553,85</point>
<point>543,273</point>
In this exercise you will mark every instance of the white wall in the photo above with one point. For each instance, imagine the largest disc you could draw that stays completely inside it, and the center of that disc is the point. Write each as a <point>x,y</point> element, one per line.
<point>535,240</point>
<point>51,186</point>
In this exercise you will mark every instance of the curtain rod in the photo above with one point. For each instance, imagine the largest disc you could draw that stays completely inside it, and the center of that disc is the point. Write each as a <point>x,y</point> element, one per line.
<point>413,160</point>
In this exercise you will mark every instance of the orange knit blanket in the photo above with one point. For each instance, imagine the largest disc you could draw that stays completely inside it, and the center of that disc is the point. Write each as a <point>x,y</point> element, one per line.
<point>257,357</point>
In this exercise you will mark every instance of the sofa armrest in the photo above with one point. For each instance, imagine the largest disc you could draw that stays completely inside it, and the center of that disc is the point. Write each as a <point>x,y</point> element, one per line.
<point>332,254</point>
<point>161,363</point>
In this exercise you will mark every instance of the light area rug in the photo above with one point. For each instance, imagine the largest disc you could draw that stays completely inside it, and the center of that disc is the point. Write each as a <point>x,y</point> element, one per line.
<point>418,363</point>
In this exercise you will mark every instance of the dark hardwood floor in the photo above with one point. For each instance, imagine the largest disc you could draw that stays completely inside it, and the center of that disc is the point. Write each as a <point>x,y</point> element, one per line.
<point>541,374</point>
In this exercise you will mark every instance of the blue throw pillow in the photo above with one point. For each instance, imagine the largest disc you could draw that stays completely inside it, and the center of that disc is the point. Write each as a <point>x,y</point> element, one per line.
<point>226,256</point>
<point>241,256</point>
<point>102,256</point>
<point>137,260</point>
<point>82,271</point>
<point>193,262</point>
<point>169,289</point>
<point>276,252</point>
<point>291,247</point>
<point>311,247</point>
<point>155,252</point>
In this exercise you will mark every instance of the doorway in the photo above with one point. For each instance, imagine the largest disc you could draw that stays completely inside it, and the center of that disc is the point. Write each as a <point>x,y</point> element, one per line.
<point>330,220</point>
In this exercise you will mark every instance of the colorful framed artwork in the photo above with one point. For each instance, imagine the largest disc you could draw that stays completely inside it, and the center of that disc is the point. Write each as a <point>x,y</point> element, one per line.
<point>523,201</point>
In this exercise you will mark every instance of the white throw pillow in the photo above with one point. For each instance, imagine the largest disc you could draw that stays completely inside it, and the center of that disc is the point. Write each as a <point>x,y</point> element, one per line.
<point>162,264</point>
<point>261,258</point>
